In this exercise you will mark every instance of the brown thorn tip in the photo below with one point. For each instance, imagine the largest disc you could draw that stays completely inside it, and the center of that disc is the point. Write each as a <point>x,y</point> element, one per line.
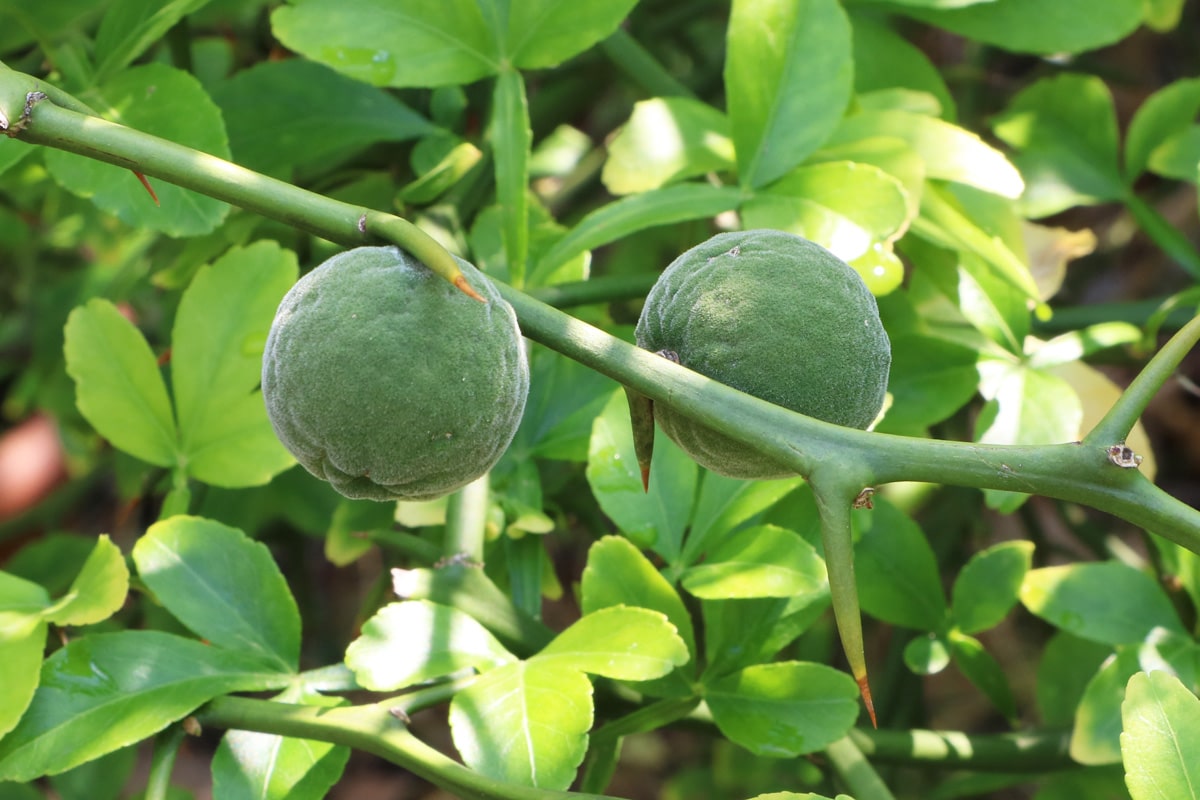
<point>460,281</point>
<point>864,689</point>
<point>149,188</point>
<point>646,479</point>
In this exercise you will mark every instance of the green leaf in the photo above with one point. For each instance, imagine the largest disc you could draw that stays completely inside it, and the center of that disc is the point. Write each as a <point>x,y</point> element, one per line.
<point>665,140</point>
<point>896,571</point>
<point>223,586</point>
<point>165,102</point>
<point>1107,602</point>
<point>416,640</point>
<point>628,215</point>
<point>1179,156</point>
<point>130,27</point>
<point>1095,737</point>
<point>1074,345</point>
<point>118,387</point>
<point>884,59</point>
<point>1065,131</point>
<point>346,541</point>
<point>544,33</point>
<point>788,80</point>
<point>260,766</point>
<point>927,655</point>
<point>763,561</point>
<point>393,42</point>
<point>98,591</point>
<point>1068,663</point>
<point>739,633</point>
<point>989,585</point>
<point>22,642</point>
<point>216,365</point>
<point>654,518</point>
<point>524,722</point>
<point>784,709</point>
<point>1160,744</point>
<point>453,166</point>
<point>294,130</point>
<point>1035,26</point>
<point>106,691</point>
<point>841,205</point>
<point>102,779</point>
<point>511,142</point>
<point>565,398</point>
<point>950,153</point>
<point>725,504</point>
<point>618,574</point>
<point>1167,113</point>
<point>629,644</point>
<point>983,672</point>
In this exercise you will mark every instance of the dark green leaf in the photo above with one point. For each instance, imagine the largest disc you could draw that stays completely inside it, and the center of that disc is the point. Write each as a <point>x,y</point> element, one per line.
<point>884,59</point>
<point>223,586</point>
<point>788,79</point>
<point>130,27</point>
<point>983,671</point>
<point>1067,664</point>
<point>665,140</point>
<point>725,504</point>
<point>743,632</point>
<point>784,709</point>
<point>103,692</point>
<point>897,574</point>
<point>989,585</point>
<point>1161,739</point>
<point>564,399</point>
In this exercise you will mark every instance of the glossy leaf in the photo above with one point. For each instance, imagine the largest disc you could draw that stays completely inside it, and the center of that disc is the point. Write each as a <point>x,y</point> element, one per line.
<point>166,102</point>
<point>416,640</point>
<point>294,130</point>
<point>788,79</point>
<point>927,655</point>
<point>1161,738</point>
<point>103,692</point>
<point>216,365</point>
<point>783,709</point>
<point>656,518</point>
<point>1107,602</point>
<point>1165,115</point>
<point>841,205</point>
<point>22,643</point>
<point>630,644</point>
<point>544,33</point>
<point>393,42</point>
<point>617,573</point>
<point>665,140</point>
<point>511,141</point>
<point>896,571</point>
<point>97,592</point>
<point>524,722</point>
<point>762,561</point>
<point>989,585</point>
<point>118,387</point>
<point>223,586</point>
<point>621,218</point>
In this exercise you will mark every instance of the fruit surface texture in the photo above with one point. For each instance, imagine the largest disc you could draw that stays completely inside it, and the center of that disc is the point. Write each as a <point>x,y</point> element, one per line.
<point>778,317</point>
<point>387,381</point>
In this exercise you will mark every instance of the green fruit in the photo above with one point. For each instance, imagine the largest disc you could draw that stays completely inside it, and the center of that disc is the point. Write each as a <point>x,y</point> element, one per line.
<point>387,381</point>
<point>778,317</point>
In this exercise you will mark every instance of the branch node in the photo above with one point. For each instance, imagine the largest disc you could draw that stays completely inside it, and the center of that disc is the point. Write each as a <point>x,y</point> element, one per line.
<point>1120,455</point>
<point>864,498</point>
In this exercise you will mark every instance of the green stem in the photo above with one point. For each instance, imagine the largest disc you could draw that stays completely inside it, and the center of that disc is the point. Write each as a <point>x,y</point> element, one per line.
<point>635,61</point>
<point>371,729</point>
<point>466,520</point>
<point>1163,233</point>
<point>1119,420</point>
<point>604,289</point>
<point>162,762</point>
<point>856,772</point>
<point>648,718</point>
<point>1030,751</point>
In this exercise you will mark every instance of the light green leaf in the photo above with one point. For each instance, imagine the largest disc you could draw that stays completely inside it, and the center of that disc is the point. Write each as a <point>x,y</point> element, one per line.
<point>618,574</point>
<point>724,504</point>
<point>216,365</point>
<point>544,33</point>
<point>656,518</point>
<point>165,102</point>
<point>98,591</point>
<point>524,722</point>
<point>619,219</point>
<point>1065,131</point>
<point>950,153</point>
<point>105,691</point>
<point>665,140</point>
<point>629,644</point>
<point>1163,15</point>
<point>896,571</point>
<point>1096,733</point>
<point>1179,156</point>
<point>762,561</point>
<point>294,130</point>
<point>1165,114</point>
<point>1075,345</point>
<point>393,42</point>
<point>511,142</point>
<point>788,80</point>
<point>118,388</point>
<point>223,586</point>
<point>927,655</point>
<point>1035,26</point>
<point>416,640</point>
<point>22,642</point>
<point>989,585</point>
<point>1161,740</point>
<point>456,163</point>
<point>784,709</point>
<point>843,206</point>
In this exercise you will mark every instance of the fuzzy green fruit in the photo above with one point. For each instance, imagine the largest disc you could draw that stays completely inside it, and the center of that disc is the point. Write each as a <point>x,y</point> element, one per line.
<point>387,381</point>
<point>775,316</point>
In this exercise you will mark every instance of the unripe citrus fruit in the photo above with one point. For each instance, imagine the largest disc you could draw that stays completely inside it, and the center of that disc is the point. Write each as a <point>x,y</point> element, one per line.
<point>775,316</point>
<point>387,381</point>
